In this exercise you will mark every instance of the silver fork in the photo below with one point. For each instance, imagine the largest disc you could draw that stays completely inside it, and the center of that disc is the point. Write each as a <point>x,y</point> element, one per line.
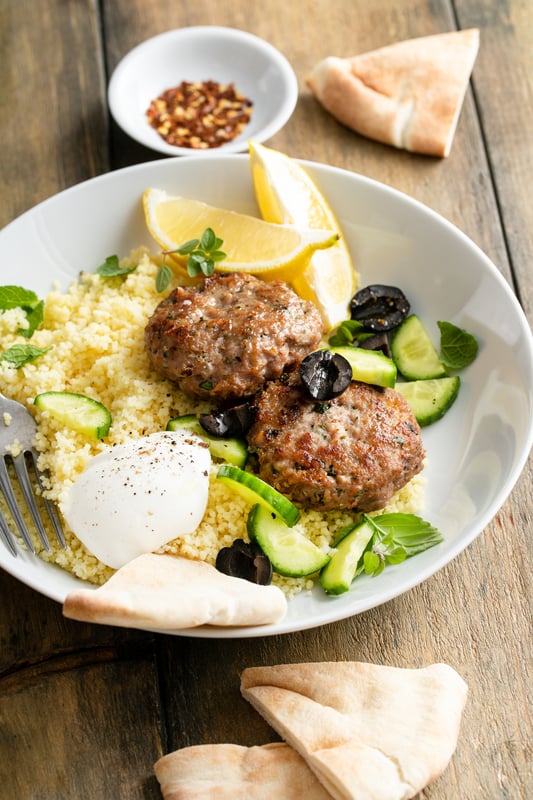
<point>17,431</point>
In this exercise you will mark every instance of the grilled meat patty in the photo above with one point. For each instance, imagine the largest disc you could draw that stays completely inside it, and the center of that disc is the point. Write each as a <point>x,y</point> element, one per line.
<point>223,338</point>
<point>352,452</point>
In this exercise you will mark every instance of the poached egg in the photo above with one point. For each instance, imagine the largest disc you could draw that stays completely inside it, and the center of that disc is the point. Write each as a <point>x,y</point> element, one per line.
<point>135,497</point>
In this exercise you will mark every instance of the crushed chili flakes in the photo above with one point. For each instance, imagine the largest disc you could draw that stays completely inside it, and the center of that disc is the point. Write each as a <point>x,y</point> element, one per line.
<point>200,115</point>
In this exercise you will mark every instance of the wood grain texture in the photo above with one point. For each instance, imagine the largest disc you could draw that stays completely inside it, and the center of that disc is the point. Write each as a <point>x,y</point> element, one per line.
<point>85,710</point>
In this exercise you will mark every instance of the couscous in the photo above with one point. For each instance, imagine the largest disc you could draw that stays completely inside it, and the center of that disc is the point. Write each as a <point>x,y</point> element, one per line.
<point>95,335</point>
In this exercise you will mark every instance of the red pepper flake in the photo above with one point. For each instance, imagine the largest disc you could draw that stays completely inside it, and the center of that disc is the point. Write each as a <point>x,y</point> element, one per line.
<point>200,115</point>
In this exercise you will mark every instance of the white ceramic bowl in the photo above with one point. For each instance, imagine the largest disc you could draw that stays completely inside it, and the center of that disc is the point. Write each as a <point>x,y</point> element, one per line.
<point>475,454</point>
<point>226,55</point>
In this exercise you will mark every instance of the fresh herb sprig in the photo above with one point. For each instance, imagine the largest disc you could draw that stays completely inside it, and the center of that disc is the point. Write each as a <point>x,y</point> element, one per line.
<point>396,537</point>
<point>203,253</point>
<point>202,256</point>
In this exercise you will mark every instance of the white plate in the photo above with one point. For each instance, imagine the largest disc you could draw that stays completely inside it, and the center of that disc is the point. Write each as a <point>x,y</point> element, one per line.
<point>226,55</point>
<point>475,453</point>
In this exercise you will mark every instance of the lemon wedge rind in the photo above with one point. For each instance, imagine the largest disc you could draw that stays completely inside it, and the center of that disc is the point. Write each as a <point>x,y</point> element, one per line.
<point>286,194</point>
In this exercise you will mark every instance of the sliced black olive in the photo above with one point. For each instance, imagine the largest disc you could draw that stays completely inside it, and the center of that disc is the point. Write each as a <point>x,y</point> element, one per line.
<point>325,375</point>
<point>379,308</point>
<point>245,560</point>
<point>230,422</point>
<point>379,341</point>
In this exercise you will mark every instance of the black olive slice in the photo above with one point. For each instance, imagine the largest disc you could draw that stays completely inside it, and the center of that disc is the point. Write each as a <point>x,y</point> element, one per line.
<point>245,560</point>
<point>379,307</point>
<point>378,341</point>
<point>325,375</point>
<point>230,422</point>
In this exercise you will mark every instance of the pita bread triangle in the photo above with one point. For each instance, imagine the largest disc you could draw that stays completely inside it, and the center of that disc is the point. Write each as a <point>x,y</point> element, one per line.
<point>408,94</point>
<point>166,592</point>
<point>367,731</point>
<point>233,772</point>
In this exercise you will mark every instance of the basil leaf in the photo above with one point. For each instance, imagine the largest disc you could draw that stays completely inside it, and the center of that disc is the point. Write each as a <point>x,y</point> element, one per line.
<point>346,333</point>
<point>111,268</point>
<point>458,348</point>
<point>409,531</point>
<point>20,354</point>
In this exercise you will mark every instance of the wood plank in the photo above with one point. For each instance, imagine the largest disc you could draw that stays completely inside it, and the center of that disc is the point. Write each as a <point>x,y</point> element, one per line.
<point>53,118</point>
<point>81,730</point>
<point>506,108</point>
<point>33,630</point>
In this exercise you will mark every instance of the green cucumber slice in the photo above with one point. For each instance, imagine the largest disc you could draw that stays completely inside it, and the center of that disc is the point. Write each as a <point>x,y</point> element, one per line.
<point>256,490</point>
<point>414,352</point>
<point>430,399</point>
<point>232,450</point>
<point>76,411</point>
<point>290,552</point>
<point>338,574</point>
<point>369,366</point>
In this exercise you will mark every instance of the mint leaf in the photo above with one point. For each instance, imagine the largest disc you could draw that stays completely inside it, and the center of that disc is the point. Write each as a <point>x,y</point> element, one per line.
<point>35,317</point>
<point>20,354</point>
<point>458,348</point>
<point>111,268</point>
<point>18,297</point>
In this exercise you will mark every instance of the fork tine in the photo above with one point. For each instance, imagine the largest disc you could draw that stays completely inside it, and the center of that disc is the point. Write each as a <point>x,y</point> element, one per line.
<point>21,469</point>
<point>7,491</point>
<point>7,536</point>
<point>50,507</point>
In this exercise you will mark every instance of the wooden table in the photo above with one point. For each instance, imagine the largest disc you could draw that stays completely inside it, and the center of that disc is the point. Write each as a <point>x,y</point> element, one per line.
<point>86,710</point>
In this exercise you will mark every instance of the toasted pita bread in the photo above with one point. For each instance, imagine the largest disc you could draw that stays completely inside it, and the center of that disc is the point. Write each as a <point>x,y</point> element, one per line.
<point>366,731</point>
<point>165,592</point>
<point>232,772</point>
<point>408,94</point>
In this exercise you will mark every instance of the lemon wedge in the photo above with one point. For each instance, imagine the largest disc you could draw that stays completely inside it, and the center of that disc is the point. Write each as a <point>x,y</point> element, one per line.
<point>286,194</point>
<point>251,244</point>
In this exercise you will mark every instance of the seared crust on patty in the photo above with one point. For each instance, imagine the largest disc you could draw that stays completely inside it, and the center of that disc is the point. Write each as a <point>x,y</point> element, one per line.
<point>352,452</point>
<point>223,338</point>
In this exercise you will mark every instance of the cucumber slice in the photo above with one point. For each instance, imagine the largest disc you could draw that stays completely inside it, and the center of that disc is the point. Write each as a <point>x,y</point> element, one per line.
<point>414,352</point>
<point>291,553</point>
<point>430,399</point>
<point>76,411</point>
<point>234,451</point>
<point>369,366</point>
<point>339,572</point>
<point>256,490</point>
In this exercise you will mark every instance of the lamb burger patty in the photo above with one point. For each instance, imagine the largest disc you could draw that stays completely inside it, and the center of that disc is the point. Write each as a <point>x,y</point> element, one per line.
<point>352,452</point>
<point>225,337</point>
